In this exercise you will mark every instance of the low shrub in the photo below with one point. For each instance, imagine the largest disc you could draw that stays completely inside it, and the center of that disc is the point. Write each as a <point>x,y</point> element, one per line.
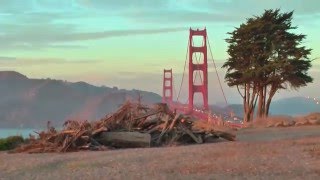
<point>10,142</point>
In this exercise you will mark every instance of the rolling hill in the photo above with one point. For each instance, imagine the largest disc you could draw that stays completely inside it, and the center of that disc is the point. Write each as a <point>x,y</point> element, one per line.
<point>30,103</point>
<point>292,106</point>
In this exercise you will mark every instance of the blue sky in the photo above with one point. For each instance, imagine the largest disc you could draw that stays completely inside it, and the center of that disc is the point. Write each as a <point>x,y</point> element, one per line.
<point>127,43</point>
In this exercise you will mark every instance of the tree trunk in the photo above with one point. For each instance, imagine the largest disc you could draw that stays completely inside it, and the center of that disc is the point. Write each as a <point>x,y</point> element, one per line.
<point>264,102</point>
<point>260,103</point>
<point>249,101</point>
<point>272,93</point>
<point>245,103</point>
<point>251,94</point>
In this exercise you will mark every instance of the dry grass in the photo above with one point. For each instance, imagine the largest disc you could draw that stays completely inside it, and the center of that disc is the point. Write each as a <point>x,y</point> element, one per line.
<point>310,119</point>
<point>286,121</point>
<point>273,121</point>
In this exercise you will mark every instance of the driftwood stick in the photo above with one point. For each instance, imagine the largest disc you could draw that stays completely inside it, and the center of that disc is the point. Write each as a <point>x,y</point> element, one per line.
<point>146,115</point>
<point>173,123</point>
<point>164,128</point>
<point>190,133</point>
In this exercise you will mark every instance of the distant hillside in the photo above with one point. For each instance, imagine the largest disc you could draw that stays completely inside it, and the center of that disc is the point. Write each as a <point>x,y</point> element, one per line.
<point>288,106</point>
<point>31,103</point>
<point>294,106</point>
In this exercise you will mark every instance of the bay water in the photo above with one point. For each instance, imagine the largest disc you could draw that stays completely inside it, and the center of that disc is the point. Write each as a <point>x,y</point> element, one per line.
<point>14,132</point>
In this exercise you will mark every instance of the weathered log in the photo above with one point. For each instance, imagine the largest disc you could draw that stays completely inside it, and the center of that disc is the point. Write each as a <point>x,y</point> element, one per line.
<point>97,131</point>
<point>225,135</point>
<point>125,139</point>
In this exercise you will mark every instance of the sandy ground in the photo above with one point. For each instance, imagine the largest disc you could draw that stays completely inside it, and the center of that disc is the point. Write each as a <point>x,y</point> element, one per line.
<point>272,153</point>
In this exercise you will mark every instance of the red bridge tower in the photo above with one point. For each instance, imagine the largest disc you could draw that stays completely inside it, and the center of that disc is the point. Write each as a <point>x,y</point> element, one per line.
<point>195,66</point>
<point>167,96</point>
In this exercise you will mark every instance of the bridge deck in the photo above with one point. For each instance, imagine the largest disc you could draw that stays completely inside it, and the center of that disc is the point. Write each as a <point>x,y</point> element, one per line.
<point>202,115</point>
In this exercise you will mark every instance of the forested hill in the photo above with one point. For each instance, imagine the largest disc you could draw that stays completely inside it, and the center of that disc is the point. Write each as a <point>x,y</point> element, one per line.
<point>31,103</point>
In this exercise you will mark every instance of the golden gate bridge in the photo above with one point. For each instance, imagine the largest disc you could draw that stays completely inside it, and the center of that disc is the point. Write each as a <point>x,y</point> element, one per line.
<point>197,69</point>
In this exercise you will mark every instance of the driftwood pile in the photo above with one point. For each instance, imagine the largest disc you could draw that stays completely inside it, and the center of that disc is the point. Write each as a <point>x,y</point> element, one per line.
<point>132,125</point>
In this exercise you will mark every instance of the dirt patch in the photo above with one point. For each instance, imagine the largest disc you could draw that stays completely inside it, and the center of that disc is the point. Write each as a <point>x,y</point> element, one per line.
<point>286,153</point>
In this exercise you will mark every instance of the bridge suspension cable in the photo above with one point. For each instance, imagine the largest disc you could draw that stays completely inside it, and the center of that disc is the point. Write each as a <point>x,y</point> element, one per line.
<point>215,67</point>
<point>184,69</point>
<point>174,87</point>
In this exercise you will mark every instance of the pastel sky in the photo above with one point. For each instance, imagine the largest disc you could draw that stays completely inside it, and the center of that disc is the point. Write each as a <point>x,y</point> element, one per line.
<point>128,43</point>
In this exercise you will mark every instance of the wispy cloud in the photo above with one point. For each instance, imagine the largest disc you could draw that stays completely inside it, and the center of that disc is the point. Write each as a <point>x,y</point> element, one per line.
<point>182,16</point>
<point>17,62</point>
<point>38,24</point>
<point>198,11</point>
<point>50,35</point>
<point>6,58</point>
<point>115,33</point>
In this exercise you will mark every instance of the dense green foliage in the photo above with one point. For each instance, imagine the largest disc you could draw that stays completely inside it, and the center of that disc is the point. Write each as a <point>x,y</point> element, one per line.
<point>10,142</point>
<point>266,56</point>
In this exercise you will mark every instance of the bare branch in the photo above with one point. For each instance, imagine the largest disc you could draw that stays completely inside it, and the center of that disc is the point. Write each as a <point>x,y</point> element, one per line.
<point>240,92</point>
